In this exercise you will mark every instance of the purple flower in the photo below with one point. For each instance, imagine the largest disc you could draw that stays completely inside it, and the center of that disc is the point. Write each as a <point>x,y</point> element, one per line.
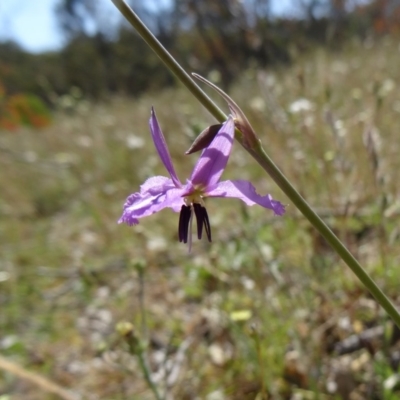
<point>160,192</point>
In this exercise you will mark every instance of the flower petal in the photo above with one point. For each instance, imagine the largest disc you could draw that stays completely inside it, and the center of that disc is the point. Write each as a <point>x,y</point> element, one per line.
<point>161,146</point>
<point>156,185</point>
<point>212,161</point>
<point>246,192</point>
<point>140,205</point>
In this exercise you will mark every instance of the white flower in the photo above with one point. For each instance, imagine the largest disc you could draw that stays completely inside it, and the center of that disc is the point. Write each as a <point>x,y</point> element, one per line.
<point>301,105</point>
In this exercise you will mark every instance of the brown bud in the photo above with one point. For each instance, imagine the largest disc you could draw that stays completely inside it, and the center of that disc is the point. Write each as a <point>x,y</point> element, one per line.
<point>204,139</point>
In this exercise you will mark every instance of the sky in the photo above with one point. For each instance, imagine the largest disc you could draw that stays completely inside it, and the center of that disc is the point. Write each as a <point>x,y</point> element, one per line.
<point>32,23</point>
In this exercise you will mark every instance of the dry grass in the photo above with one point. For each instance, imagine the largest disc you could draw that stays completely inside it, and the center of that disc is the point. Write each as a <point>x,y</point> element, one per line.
<point>264,309</point>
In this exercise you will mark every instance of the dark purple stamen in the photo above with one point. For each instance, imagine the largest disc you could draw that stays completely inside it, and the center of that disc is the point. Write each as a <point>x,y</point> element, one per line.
<point>202,219</point>
<point>184,219</point>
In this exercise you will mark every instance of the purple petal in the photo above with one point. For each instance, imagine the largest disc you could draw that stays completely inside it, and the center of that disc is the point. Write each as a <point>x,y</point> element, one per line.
<point>156,185</point>
<point>161,146</point>
<point>246,192</point>
<point>140,205</point>
<point>212,161</point>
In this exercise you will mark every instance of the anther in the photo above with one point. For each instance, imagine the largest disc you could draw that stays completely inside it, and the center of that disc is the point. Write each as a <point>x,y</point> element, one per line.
<point>202,219</point>
<point>184,219</point>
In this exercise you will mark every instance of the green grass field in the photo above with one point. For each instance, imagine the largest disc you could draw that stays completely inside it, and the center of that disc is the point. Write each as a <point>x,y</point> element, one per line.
<point>260,313</point>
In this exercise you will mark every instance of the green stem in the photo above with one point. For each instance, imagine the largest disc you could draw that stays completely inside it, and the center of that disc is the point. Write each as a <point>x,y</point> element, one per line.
<point>263,159</point>
<point>146,372</point>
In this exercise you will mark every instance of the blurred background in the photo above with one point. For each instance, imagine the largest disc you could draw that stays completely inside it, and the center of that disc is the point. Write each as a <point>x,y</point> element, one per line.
<point>95,310</point>
<point>50,46</point>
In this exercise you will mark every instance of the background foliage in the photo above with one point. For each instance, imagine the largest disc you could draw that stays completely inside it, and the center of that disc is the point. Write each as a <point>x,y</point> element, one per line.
<point>229,36</point>
<point>264,312</point>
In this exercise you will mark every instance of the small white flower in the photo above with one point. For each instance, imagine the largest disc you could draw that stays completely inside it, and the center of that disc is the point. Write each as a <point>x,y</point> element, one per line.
<point>301,105</point>
<point>134,142</point>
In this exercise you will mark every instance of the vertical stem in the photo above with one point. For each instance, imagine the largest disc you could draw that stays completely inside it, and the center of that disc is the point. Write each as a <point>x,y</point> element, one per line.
<point>140,348</point>
<point>143,320</point>
<point>147,375</point>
